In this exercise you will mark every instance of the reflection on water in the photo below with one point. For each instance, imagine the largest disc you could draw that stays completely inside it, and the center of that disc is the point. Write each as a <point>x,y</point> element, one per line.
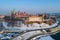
<point>56,36</point>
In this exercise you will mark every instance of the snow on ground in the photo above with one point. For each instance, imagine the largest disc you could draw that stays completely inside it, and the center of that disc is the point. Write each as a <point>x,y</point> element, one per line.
<point>46,38</point>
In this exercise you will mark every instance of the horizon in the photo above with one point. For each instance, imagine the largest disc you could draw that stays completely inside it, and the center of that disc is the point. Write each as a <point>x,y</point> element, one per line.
<point>30,6</point>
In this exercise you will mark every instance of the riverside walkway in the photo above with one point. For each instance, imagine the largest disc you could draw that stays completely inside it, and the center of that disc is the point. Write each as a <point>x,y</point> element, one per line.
<point>35,34</point>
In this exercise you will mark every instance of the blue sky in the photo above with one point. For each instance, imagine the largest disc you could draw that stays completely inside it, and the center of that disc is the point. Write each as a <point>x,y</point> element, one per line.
<point>31,6</point>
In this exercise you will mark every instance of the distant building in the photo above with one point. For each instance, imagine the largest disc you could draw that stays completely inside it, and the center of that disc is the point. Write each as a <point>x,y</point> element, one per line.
<point>33,19</point>
<point>19,15</point>
<point>7,18</point>
<point>50,22</point>
<point>1,20</point>
<point>1,17</point>
<point>53,18</point>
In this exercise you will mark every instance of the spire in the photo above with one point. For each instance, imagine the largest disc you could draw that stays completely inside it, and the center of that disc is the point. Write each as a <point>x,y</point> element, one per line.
<point>14,11</point>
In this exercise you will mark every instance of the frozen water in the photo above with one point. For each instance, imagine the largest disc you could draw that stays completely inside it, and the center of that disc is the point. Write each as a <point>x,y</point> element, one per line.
<point>46,38</point>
